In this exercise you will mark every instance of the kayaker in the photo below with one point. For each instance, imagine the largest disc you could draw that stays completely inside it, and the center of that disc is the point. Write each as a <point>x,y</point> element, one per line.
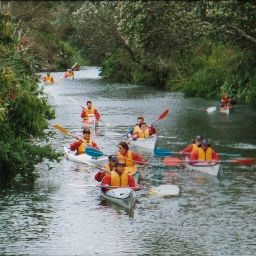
<point>140,119</point>
<point>48,79</point>
<point>120,177</point>
<point>144,131</point>
<point>90,110</point>
<point>109,167</point>
<point>130,158</point>
<point>69,73</point>
<point>192,147</point>
<point>80,146</point>
<point>204,152</point>
<point>225,101</point>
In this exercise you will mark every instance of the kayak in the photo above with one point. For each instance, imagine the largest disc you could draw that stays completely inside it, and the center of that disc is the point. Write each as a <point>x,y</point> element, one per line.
<point>211,168</point>
<point>124,197</point>
<point>226,110</point>
<point>91,123</point>
<point>145,143</point>
<point>85,159</point>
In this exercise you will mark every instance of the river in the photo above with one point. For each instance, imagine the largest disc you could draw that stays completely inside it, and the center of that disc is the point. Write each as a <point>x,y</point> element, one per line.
<point>211,215</point>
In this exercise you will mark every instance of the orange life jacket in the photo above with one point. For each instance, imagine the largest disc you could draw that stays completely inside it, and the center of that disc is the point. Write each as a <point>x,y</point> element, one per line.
<point>127,158</point>
<point>144,134</point>
<point>88,112</point>
<point>136,130</point>
<point>119,181</point>
<point>204,155</point>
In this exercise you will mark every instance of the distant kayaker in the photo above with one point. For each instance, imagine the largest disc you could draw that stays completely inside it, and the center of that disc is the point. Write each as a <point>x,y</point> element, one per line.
<point>128,157</point>
<point>192,147</point>
<point>48,79</point>
<point>80,147</point>
<point>109,167</point>
<point>90,110</point>
<point>69,73</point>
<point>225,101</point>
<point>120,177</point>
<point>204,152</point>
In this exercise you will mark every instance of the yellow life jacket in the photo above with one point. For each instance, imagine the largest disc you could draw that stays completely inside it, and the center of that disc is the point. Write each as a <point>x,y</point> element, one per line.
<point>82,147</point>
<point>144,134</point>
<point>194,148</point>
<point>136,130</point>
<point>119,181</point>
<point>202,155</point>
<point>127,158</point>
<point>48,79</point>
<point>88,112</point>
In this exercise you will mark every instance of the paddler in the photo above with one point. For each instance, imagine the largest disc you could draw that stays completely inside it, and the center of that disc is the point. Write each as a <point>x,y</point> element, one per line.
<point>192,147</point>
<point>69,73</point>
<point>128,157</point>
<point>108,168</point>
<point>120,177</point>
<point>90,110</point>
<point>204,152</point>
<point>48,79</point>
<point>225,101</point>
<point>80,145</point>
<point>144,131</point>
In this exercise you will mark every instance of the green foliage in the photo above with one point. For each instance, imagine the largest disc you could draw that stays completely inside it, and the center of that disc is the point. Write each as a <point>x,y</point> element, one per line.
<point>23,116</point>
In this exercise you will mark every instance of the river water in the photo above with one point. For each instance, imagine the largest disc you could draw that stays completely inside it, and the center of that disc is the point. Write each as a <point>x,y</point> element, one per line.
<point>211,216</point>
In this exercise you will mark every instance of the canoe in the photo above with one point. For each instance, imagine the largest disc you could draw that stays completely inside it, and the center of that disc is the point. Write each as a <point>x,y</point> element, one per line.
<point>124,197</point>
<point>226,110</point>
<point>145,143</point>
<point>85,159</point>
<point>210,168</point>
<point>91,123</point>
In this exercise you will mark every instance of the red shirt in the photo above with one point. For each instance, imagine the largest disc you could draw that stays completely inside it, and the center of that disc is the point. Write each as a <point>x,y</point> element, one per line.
<point>75,145</point>
<point>186,151</point>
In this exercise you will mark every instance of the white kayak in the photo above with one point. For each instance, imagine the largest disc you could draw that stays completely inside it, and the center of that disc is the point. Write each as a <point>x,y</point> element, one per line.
<point>91,123</point>
<point>226,110</point>
<point>145,143</point>
<point>85,159</point>
<point>211,168</point>
<point>124,197</point>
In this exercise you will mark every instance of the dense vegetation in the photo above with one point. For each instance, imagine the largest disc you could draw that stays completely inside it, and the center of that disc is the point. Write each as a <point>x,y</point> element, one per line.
<point>23,116</point>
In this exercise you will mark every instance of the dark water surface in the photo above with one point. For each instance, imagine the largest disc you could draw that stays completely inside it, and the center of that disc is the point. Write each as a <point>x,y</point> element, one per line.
<point>211,216</point>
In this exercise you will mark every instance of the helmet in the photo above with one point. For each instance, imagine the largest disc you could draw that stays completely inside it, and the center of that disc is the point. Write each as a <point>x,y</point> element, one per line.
<point>112,158</point>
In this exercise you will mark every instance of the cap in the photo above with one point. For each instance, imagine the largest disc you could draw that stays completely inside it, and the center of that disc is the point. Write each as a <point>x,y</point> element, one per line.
<point>198,137</point>
<point>204,142</point>
<point>112,158</point>
<point>120,163</point>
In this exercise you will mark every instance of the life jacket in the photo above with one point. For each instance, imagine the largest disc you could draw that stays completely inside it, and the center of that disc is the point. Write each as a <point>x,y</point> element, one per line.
<point>194,148</point>
<point>119,181</point>
<point>48,79</point>
<point>136,130</point>
<point>89,112</point>
<point>127,158</point>
<point>204,155</point>
<point>144,134</point>
<point>82,147</point>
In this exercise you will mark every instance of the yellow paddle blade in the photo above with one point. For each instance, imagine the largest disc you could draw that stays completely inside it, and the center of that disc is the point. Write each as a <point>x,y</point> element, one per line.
<point>63,130</point>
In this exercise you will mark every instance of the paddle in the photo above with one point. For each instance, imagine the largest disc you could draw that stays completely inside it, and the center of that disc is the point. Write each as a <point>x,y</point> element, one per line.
<point>72,68</point>
<point>162,190</point>
<point>166,152</point>
<point>160,117</point>
<point>63,130</point>
<point>76,102</point>
<point>169,161</point>
<point>211,109</point>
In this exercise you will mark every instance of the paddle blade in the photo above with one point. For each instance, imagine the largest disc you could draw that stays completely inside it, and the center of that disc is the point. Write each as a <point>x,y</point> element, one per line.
<point>162,152</point>
<point>165,190</point>
<point>93,152</point>
<point>62,129</point>
<point>164,114</point>
<point>211,109</point>
<point>244,161</point>
<point>170,161</point>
